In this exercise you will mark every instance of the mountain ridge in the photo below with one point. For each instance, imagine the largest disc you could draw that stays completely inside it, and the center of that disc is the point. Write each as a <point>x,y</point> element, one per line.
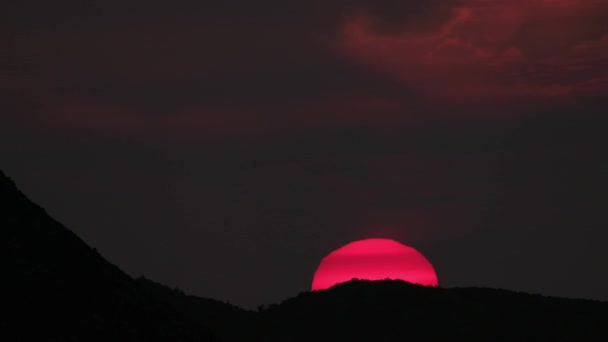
<point>60,289</point>
<point>70,292</point>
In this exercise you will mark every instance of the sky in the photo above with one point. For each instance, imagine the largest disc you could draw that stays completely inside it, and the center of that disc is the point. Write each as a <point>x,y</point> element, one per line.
<point>226,147</point>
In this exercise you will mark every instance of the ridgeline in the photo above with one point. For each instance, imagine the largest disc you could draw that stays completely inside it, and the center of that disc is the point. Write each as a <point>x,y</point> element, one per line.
<point>57,288</point>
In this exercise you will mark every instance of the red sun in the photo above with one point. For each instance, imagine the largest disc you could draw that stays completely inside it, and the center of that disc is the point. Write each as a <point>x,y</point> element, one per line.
<point>374,259</point>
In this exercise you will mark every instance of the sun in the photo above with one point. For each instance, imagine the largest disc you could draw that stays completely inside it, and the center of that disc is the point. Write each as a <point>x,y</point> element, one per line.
<point>374,259</point>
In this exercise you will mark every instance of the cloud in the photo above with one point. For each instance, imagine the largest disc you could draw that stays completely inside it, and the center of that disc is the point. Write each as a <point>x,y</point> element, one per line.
<point>220,71</point>
<point>56,111</point>
<point>489,50</point>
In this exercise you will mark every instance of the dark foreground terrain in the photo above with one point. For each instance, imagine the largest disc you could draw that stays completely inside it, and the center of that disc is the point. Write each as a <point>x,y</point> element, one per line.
<point>56,288</point>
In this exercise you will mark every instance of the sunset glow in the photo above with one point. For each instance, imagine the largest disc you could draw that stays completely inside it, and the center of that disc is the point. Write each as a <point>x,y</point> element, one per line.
<point>374,259</point>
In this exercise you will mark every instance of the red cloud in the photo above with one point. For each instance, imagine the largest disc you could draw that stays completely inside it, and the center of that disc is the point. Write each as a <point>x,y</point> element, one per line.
<point>226,76</point>
<point>491,50</point>
<point>202,123</point>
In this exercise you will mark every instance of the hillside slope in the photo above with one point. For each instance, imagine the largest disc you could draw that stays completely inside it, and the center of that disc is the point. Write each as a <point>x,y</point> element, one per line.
<point>59,288</point>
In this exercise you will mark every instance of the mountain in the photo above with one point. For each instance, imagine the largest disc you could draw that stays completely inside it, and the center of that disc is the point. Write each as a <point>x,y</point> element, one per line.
<point>57,288</point>
<point>393,310</point>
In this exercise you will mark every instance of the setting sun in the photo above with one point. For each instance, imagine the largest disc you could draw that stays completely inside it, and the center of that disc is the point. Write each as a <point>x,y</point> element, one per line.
<point>374,259</point>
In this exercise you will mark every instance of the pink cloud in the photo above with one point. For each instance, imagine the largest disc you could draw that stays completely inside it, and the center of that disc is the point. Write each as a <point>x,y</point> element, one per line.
<point>490,50</point>
<point>471,51</point>
<point>200,123</point>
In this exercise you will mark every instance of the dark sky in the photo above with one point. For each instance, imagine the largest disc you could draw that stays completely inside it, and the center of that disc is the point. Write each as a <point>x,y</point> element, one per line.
<point>225,147</point>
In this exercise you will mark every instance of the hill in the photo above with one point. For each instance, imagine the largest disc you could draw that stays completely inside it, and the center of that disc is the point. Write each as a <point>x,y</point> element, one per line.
<point>393,310</point>
<point>57,288</point>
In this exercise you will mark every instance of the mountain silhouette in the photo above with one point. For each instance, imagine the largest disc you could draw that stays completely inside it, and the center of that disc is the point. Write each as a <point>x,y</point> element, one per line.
<point>57,288</point>
<point>394,310</point>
